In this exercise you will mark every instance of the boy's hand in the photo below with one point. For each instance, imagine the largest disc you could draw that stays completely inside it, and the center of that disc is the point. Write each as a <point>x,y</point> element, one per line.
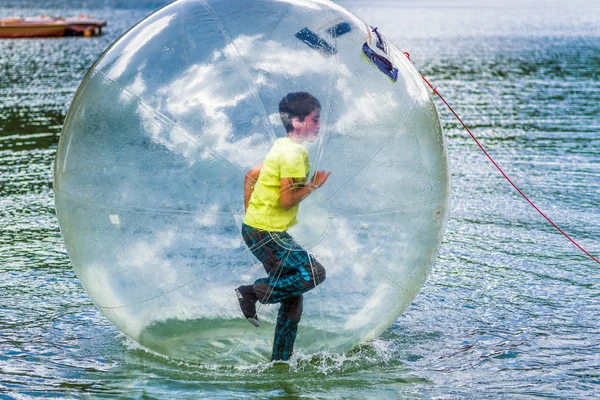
<point>319,178</point>
<point>291,195</point>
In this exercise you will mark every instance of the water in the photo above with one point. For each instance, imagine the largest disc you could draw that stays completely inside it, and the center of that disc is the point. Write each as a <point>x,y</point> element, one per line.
<point>511,308</point>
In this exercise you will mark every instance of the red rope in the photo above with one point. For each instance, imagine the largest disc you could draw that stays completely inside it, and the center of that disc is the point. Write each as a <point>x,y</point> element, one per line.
<point>501,171</point>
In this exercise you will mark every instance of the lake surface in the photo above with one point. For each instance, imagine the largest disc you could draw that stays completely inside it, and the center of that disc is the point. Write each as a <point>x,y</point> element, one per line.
<point>511,309</point>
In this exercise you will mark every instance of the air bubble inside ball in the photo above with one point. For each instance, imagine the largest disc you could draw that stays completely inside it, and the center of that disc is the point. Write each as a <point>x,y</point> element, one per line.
<point>151,163</point>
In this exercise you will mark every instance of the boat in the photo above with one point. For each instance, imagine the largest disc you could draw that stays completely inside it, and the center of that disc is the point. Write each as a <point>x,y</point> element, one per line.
<point>47,26</point>
<point>32,27</point>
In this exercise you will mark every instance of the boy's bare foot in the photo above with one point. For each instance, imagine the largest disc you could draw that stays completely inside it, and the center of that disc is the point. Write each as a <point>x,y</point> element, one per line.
<point>247,300</point>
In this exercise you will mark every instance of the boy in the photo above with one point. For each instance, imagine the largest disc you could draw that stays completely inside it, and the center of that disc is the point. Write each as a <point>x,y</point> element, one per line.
<point>272,192</point>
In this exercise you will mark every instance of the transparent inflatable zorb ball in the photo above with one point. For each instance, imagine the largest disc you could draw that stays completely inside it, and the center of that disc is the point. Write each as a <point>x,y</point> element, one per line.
<point>149,175</point>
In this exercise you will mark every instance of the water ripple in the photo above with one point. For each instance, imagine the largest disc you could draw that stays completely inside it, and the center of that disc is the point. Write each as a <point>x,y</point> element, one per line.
<point>511,308</point>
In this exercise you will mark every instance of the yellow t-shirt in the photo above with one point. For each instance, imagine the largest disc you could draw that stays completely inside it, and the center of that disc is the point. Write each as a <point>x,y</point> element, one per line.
<point>286,159</point>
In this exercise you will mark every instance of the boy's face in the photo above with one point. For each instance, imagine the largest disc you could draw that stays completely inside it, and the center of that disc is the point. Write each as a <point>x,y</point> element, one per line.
<point>308,130</point>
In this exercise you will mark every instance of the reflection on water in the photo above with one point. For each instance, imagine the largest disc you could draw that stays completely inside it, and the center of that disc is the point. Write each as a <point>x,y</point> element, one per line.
<point>511,306</point>
<point>228,342</point>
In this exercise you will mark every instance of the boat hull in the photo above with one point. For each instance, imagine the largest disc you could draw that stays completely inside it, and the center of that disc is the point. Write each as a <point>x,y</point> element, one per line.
<point>33,31</point>
<point>45,26</point>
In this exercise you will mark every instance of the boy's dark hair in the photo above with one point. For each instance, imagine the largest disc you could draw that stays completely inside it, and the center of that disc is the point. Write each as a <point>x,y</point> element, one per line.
<point>296,105</point>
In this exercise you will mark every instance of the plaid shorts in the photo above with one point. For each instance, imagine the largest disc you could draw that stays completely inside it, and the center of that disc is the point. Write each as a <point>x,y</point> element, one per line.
<point>292,270</point>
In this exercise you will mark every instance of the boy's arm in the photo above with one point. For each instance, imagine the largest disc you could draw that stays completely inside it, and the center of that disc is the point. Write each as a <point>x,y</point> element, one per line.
<point>249,181</point>
<point>290,195</point>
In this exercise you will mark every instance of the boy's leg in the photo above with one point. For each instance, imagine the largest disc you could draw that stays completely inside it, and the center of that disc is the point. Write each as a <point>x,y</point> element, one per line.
<point>288,318</point>
<point>297,273</point>
<point>255,239</point>
<point>292,270</point>
<point>258,241</point>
